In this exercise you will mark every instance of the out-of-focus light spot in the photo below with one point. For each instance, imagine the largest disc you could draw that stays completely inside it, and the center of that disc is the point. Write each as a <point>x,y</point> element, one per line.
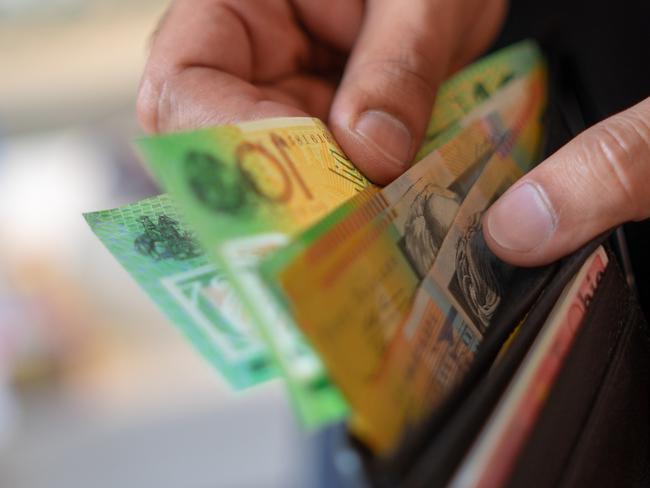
<point>46,182</point>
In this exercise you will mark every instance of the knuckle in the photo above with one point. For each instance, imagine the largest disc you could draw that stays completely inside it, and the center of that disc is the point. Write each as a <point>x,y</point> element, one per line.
<point>148,103</point>
<point>618,154</point>
<point>407,71</point>
<point>162,22</point>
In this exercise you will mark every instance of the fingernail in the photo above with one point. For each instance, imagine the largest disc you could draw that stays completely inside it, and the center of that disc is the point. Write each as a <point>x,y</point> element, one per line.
<point>386,134</point>
<point>522,219</point>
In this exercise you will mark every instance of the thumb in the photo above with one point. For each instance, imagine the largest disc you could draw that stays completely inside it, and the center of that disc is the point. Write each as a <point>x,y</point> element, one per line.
<point>597,181</point>
<point>382,107</point>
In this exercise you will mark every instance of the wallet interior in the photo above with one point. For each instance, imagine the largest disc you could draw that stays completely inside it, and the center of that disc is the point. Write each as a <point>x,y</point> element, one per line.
<point>598,409</point>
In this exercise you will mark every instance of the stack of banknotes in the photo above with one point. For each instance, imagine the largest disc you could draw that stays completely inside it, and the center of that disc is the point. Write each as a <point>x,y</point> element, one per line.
<point>277,258</point>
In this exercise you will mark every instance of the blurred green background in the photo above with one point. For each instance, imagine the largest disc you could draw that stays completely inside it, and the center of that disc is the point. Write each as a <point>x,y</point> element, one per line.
<point>96,387</point>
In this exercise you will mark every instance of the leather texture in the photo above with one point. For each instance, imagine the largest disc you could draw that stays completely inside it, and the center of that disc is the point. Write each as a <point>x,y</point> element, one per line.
<point>595,428</point>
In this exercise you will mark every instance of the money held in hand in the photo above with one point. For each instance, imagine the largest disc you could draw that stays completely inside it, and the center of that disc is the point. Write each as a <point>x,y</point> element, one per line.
<point>369,302</point>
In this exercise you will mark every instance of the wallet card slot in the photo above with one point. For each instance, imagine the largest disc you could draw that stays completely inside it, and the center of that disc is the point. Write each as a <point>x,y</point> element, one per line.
<point>614,446</point>
<point>574,393</point>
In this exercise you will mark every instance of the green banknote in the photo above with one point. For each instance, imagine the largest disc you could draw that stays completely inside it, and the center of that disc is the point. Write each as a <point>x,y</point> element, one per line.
<point>247,189</point>
<point>151,241</point>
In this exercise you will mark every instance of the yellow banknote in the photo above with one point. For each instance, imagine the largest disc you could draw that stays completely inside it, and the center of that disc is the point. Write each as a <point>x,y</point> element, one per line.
<point>359,285</point>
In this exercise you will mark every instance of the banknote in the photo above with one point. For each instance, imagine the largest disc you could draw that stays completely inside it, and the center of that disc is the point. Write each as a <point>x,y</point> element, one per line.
<point>359,282</point>
<point>153,244</point>
<point>247,189</point>
<point>472,278</point>
<point>475,84</point>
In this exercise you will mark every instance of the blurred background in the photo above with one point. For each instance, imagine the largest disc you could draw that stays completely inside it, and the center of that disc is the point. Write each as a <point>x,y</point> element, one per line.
<point>97,388</point>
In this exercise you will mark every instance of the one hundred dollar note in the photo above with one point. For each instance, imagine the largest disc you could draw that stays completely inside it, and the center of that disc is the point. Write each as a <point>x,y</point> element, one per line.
<point>359,282</point>
<point>151,241</point>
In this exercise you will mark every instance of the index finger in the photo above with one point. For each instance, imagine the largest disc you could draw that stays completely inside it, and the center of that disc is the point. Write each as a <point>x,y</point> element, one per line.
<point>208,54</point>
<point>217,61</point>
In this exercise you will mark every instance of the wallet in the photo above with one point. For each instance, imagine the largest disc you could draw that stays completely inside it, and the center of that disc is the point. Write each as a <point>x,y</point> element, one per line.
<point>592,427</point>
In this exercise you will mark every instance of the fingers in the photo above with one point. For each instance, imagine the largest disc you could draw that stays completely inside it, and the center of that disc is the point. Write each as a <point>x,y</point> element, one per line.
<point>388,89</point>
<point>599,180</point>
<point>337,22</point>
<point>218,61</point>
<point>205,53</point>
<point>484,22</point>
<point>201,97</point>
<point>382,107</point>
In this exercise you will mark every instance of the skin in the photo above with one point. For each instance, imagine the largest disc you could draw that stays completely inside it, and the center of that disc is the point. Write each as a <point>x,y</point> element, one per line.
<point>371,69</point>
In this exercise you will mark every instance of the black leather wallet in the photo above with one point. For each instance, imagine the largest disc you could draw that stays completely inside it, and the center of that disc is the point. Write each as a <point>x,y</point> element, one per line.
<point>593,428</point>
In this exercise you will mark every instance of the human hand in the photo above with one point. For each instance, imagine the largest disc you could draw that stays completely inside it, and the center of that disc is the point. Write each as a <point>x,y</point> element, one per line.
<point>597,181</point>
<point>371,68</point>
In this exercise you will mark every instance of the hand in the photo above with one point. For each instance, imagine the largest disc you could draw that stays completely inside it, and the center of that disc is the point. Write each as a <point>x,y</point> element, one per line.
<point>371,68</point>
<point>599,180</point>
